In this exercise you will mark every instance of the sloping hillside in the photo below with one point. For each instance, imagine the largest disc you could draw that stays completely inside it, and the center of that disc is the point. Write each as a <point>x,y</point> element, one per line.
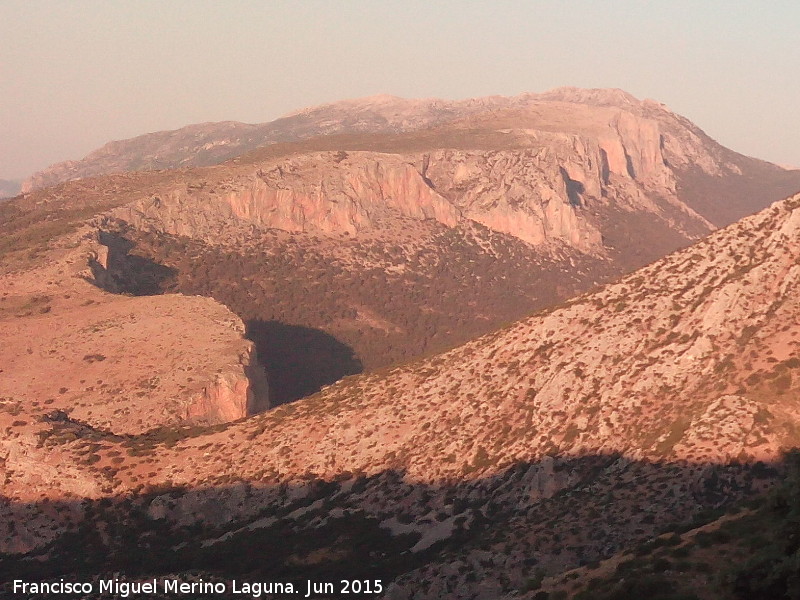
<point>354,252</point>
<point>562,439</point>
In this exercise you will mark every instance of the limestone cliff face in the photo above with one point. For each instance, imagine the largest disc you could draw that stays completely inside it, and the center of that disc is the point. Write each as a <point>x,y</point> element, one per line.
<point>632,148</point>
<point>647,125</point>
<point>528,195</point>
<point>612,372</point>
<point>545,179</point>
<point>321,192</point>
<point>548,168</point>
<point>677,364</point>
<point>239,391</point>
<point>548,190</point>
<point>337,192</point>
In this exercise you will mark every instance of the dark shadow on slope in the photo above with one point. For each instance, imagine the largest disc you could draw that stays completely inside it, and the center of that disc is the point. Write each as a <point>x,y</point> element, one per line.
<point>723,200</point>
<point>629,166</point>
<point>574,188</point>
<point>124,273</point>
<point>437,297</point>
<point>299,360</point>
<point>562,511</point>
<point>637,240</point>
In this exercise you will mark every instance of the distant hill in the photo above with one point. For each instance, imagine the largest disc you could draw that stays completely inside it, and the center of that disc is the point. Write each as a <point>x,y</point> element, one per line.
<point>9,188</point>
<point>747,186</point>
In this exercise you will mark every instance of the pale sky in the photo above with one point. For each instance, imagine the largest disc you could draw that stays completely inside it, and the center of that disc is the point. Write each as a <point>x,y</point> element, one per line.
<point>77,74</point>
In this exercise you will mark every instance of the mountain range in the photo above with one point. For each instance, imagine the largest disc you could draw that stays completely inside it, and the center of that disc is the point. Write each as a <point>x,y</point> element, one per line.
<point>473,349</point>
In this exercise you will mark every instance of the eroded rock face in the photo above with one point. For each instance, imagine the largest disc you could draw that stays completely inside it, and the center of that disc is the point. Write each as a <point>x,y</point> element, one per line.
<point>332,193</point>
<point>527,194</point>
<point>119,363</point>
<point>549,193</point>
<point>579,431</point>
<point>338,192</point>
<point>238,392</point>
<point>551,167</point>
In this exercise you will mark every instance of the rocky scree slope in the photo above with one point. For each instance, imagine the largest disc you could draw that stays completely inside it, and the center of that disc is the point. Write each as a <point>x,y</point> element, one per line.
<point>561,439</point>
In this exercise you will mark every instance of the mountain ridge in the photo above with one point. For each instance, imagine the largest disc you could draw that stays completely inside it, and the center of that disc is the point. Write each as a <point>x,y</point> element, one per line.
<point>210,143</point>
<point>471,457</point>
<point>677,377</point>
<point>382,223</point>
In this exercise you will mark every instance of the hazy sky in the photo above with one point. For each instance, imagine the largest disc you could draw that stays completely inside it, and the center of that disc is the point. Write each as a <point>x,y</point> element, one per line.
<point>76,74</point>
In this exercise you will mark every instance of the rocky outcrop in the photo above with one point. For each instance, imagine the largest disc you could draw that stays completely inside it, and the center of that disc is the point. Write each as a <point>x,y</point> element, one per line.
<point>338,192</point>
<point>120,363</point>
<point>238,392</point>
<point>580,430</point>
<point>330,193</point>
<point>654,367</point>
<point>548,193</point>
<point>527,194</point>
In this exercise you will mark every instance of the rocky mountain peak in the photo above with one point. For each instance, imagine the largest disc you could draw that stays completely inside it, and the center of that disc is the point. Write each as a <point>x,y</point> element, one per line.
<point>211,143</point>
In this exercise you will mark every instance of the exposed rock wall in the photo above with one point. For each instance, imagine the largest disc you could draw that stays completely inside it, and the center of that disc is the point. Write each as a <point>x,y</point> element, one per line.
<point>238,392</point>
<point>549,186</point>
<point>323,192</point>
<point>332,192</point>
<point>526,195</point>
